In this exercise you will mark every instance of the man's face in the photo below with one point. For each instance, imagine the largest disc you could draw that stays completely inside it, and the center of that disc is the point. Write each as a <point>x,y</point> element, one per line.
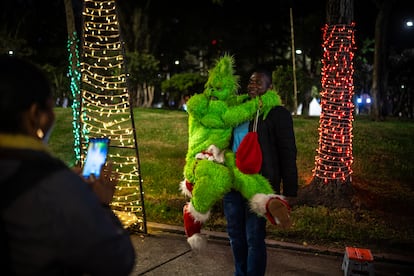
<point>258,85</point>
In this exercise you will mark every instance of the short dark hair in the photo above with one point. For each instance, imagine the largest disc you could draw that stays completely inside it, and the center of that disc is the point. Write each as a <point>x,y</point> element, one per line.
<point>21,85</point>
<point>264,71</point>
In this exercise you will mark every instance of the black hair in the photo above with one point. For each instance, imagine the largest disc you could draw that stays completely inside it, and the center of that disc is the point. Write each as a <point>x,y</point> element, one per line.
<point>263,70</point>
<point>22,84</point>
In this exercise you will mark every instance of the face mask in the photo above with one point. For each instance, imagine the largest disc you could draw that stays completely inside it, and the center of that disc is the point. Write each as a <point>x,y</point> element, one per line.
<point>45,136</point>
<point>46,121</point>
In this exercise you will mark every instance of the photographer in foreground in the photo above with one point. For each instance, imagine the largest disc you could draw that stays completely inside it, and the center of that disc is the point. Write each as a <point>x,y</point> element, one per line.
<point>52,222</point>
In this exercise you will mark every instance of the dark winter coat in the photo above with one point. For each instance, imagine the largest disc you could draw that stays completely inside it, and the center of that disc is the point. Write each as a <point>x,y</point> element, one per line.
<point>51,221</point>
<point>278,145</point>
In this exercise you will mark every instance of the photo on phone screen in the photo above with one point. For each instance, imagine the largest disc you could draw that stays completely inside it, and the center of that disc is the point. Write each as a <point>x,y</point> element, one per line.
<point>95,156</point>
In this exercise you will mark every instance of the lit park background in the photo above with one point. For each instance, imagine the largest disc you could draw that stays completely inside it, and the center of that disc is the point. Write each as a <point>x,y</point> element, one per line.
<point>109,61</point>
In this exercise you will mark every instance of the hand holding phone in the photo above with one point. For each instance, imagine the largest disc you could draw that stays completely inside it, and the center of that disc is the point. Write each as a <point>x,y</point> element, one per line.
<point>95,157</point>
<point>104,186</point>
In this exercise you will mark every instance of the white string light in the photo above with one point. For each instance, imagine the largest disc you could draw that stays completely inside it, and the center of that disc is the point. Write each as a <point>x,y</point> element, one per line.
<point>106,109</point>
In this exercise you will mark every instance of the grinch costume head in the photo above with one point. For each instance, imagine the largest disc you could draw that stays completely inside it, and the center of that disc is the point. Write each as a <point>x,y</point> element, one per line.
<point>210,170</point>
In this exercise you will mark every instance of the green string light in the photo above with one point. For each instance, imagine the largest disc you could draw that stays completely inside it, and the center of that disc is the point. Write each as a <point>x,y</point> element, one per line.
<point>75,82</point>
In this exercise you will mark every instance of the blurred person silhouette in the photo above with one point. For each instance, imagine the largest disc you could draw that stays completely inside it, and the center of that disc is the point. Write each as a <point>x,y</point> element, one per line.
<point>53,222</point>
<point>247,230</point>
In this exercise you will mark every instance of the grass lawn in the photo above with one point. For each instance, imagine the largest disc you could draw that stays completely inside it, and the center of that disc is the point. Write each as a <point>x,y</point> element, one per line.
<point>383,174</point>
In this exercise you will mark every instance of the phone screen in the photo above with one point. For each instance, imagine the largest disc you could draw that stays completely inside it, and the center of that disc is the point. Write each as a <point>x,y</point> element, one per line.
<point>95,156</point>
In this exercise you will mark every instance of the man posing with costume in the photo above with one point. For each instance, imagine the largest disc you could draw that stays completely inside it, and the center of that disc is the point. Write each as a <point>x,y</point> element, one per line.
<point>247,230</point>
<point>210,171</point>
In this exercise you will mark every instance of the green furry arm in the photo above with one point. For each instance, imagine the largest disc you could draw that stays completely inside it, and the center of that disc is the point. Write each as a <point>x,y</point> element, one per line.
<point>197,105</point>
<point>238,114</point>
<point>239,99</point>
<point>269,100</point>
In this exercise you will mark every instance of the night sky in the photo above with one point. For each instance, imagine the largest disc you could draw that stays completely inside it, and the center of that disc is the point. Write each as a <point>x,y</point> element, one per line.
<point>43,23</point>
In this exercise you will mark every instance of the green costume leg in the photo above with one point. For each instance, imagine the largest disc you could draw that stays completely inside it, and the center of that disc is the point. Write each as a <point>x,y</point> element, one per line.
<point>247,184</point>
<point>251,184</point>
<point>212,182</point>
<point>189,169</point>
<point>262,199</point>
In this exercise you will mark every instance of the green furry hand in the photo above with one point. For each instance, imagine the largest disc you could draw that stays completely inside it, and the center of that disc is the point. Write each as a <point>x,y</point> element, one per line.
<point>269,100</point>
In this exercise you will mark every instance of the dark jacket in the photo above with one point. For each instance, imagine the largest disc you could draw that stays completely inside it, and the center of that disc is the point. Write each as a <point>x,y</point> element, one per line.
<point>53,223</point>
<point>278,145</point>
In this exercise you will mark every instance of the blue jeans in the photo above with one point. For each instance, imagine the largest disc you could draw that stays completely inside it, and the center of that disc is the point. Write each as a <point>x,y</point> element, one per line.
<point>247,233</point>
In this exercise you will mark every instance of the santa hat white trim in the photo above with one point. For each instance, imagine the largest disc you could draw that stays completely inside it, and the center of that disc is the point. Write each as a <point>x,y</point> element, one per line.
<point>197,215</point>
<point>258,203</point>
<point>184,190</point>
<point>197,242</point>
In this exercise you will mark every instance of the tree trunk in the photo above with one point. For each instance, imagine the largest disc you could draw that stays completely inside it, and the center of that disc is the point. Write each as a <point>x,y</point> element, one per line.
<point>150,91</point>
<point>145,92</point>
<point>380,73</point>
<point>339,11</point>
<point>75,77</point>
<point>140,95</point>
<point>331,183</point>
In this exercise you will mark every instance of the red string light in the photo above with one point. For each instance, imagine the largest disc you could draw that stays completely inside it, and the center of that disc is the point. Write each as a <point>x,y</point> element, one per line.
<point>334,155</point>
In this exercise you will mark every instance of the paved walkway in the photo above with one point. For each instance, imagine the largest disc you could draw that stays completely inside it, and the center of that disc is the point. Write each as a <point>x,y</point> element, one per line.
<point>164,251</point>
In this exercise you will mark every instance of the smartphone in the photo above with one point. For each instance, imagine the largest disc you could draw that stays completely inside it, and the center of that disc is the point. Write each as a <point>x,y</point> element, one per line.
<point>95,156</point>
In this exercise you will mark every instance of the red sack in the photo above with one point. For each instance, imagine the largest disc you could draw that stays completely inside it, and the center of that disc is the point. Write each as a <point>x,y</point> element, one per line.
<point>249,153</point>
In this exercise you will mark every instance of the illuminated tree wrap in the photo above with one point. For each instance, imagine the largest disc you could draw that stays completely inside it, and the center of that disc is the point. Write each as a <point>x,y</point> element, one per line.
<point>106,109</point>
<point>74,73</point>
<point>75,82</point>
<point>334,156</point>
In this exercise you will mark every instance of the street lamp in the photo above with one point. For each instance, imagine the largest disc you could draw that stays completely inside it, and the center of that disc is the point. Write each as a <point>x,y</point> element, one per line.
<point>409,23</point>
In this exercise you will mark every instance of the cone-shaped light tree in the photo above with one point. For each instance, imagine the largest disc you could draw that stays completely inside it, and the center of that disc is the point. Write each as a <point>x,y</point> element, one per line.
<point>106,109</point>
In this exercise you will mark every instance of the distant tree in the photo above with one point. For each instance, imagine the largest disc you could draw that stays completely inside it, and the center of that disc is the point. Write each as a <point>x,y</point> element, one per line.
<point>307,28</point>
<point>134,27</point>
<point>399,100</point>
<point>364,67</point>
<point>59,80</point>
<point>18,46</point>
<point>12,31</point>
<point>185,84</point>
<point>380,71</point>
<point>143,71</point>
<point>283,84</point>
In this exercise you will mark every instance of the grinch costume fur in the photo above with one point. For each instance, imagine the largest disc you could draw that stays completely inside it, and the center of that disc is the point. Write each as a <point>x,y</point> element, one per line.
<point>210,170</point>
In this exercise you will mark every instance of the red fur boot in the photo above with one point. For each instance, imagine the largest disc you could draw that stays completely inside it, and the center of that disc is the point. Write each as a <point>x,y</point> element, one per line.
<point>192,229</point>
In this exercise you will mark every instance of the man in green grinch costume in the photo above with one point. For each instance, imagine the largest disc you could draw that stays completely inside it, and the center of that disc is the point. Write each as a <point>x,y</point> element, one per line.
<point>210,170</point>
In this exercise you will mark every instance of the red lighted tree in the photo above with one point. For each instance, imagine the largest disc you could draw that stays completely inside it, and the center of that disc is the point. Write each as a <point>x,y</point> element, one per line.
<point>331,183</point>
